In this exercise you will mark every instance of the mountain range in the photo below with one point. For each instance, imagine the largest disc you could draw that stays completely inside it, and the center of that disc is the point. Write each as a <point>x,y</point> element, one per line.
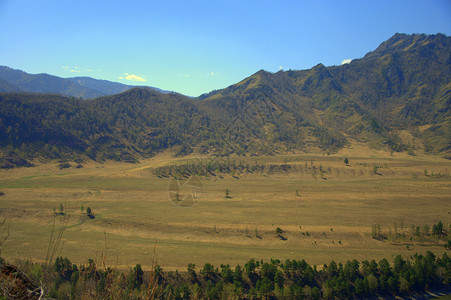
<point>12,80</point>
<point>396,97</point>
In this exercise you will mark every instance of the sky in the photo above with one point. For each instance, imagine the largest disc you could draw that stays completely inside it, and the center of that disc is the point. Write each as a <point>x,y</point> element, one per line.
<point>193,46</point>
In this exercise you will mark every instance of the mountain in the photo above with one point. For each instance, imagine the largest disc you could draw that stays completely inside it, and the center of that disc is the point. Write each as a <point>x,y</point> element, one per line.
<point>44,83</point>
<point>402,86</point>
<point>396,97</point>
<point>7,87</point>
<point>106,87</point>
<point>80,87</point>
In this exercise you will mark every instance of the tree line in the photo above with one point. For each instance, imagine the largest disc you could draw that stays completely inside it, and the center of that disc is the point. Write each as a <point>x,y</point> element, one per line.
<point>257,279</point>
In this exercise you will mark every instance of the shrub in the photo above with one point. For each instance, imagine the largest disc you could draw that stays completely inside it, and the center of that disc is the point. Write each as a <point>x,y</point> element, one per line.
<point>64,165</point>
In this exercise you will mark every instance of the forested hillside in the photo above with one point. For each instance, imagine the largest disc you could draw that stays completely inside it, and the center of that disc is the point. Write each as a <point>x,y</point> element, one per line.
<point>140,122</point>
<point>404,86</point>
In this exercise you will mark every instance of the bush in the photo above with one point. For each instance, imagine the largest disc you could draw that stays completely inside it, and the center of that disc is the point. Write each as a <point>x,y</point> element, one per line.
<point>89,213</point>
<point>64,165</point>
<point>279,231</point>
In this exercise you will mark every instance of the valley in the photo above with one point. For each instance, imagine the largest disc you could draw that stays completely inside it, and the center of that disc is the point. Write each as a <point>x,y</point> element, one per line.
<point>318,182</point>
<point>325,208</point>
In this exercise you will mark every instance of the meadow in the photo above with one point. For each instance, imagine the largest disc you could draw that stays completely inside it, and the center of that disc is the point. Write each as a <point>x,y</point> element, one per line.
<point>326,210</point>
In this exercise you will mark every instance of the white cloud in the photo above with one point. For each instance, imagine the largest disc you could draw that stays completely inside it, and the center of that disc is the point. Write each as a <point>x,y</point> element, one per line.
<point>346,61</point>
<point>212,73</point>
<point>133,77</point>
<point>280,68</point>
<point>184,75</point>
<point>76,69</point>
<point>120,77</point>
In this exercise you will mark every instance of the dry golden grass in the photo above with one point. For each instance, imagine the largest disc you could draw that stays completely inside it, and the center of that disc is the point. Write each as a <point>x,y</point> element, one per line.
<point>133,209</point>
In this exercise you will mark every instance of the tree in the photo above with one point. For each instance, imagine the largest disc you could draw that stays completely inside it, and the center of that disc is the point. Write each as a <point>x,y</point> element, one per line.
<point>404,286</point>
<point>279,232</point>
<point>384,267</point>
<point>227,273</point>
<point>377,231</point>
<point>426,229</point>
<point>227,194</point>
<point>64,267</point>
<point>82,209</point>
<point>238,276</point>
<point>208,271</point>
<point>372,283</point>
<point>448,245</point>
<point>265,286</point>
<point>417,231</point>
<point>375,168</point>
<point>279,278</point>
<point>332,269</point>
<point>437,229</point>
<point>89,213</point>
<point>61,208</point>
<point>250,267</point>
<point>346,161</point>
<point>359,286</point>
<point>192,272</point>
<point>257,235</point>
<point>136,277</point>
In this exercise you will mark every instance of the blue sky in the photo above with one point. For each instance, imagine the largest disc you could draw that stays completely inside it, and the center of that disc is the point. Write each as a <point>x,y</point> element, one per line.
<point>193,47</point>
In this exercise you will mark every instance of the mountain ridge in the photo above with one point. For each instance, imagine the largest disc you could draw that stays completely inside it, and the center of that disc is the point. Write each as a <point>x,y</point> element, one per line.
<point>80,87</point>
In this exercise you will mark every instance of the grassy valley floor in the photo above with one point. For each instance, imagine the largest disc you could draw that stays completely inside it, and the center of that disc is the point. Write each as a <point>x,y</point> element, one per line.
<point>326,209</point>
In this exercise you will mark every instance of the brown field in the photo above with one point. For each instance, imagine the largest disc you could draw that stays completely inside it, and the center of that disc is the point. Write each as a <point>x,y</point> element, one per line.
<point>136,221</point>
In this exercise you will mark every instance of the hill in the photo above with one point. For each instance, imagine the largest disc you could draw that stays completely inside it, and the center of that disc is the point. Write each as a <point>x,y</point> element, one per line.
<point>395,98</point>
<point>138,122</point>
